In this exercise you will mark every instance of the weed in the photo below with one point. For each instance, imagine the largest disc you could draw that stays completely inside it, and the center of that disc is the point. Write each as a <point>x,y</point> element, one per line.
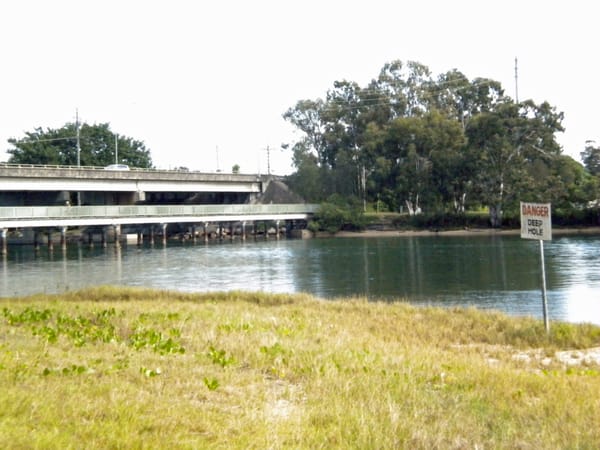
<point>211,383</point>
<point>220,357</point>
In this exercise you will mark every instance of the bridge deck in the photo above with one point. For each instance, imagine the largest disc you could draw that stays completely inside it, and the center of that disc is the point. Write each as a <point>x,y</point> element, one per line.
<point>65,216</point>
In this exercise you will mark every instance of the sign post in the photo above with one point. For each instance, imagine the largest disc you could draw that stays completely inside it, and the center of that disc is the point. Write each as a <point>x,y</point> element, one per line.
<point>536,223</point>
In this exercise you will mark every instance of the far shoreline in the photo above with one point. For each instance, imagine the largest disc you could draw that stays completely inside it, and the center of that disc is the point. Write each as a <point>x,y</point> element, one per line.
<point>462,232</point>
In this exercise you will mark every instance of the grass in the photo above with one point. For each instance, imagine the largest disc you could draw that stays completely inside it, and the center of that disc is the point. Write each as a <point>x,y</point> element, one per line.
<point>131,368</point>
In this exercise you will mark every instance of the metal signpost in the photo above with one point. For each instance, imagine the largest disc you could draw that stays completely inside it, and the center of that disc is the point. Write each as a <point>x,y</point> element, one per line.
<point>536,223</point>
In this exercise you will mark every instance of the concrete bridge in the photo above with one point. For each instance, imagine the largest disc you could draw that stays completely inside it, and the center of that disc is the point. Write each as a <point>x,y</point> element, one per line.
<point>46,201</point>
<point>23,185</point>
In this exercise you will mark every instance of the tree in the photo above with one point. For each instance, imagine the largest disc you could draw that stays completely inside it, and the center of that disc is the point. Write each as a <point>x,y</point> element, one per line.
<point>508,144</point>
<point>98,147</point>
<point>591,157</point>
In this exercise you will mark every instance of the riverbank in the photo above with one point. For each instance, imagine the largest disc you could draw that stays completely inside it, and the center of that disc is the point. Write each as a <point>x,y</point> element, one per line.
<point>134,368</point>
<point>463,232</point>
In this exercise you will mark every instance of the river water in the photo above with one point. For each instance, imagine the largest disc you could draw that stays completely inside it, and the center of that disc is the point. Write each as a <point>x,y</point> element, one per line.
<point>489,272</point>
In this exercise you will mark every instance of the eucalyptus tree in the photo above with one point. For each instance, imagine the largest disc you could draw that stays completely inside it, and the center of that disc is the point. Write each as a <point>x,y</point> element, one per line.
<point>591,157</point>
<point>98,146</point>
<point>508,144</point>
<point>460,99</point>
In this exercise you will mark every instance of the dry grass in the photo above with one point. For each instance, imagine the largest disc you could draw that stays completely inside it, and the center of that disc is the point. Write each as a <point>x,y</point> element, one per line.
<point>130,368</point>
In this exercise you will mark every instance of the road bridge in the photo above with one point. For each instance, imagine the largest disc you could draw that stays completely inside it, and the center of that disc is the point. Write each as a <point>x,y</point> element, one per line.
<point>38,200</point>
<point>22,184</point>
<point>49,220</point>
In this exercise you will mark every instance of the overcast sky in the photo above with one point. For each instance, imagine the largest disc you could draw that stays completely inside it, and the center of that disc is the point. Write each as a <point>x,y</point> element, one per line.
<point>204,84</point>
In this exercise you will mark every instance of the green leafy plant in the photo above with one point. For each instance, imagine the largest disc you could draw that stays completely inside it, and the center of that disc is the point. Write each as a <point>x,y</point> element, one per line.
<point>220,357</point>
<point>211,383</point>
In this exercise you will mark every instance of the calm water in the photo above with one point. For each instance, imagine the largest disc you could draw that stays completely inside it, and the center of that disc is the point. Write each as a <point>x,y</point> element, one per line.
<point>486,272</point>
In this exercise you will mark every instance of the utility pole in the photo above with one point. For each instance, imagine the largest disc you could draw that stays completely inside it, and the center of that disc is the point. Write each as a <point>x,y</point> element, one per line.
<point>268,161</point>
<point>78,151</point>
<point>516,82</point>
<point>77,134</point>
<point>116,148</point>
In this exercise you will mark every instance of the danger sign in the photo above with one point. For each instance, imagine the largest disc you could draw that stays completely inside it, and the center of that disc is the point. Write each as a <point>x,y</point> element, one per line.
<point>536,221</point>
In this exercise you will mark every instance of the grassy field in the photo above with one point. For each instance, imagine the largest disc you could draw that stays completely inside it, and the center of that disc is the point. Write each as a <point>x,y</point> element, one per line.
<point>126,368</point>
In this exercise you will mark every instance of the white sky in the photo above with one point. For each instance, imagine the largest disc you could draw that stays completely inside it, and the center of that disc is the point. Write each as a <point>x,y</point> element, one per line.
<point>206,83</point>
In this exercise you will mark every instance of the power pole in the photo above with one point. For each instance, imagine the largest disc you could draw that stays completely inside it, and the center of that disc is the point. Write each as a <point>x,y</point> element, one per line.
<point>268,161</point>
<point>116,148</point>
<point>516,82</point>
<point>78,151</point>
<point>77,134</point>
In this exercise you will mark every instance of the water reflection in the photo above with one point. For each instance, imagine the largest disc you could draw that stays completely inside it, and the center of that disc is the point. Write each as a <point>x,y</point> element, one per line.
<point>484,271</point>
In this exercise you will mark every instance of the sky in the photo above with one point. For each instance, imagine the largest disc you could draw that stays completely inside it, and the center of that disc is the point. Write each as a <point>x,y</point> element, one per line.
<point>205,84</point>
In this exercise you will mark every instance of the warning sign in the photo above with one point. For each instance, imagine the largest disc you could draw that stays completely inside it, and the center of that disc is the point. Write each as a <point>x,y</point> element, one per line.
<point>536,221</point>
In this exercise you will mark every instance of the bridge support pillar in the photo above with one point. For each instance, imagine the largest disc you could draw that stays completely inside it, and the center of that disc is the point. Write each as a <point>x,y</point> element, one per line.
<point>266,228</point>
<point>163,227</point>
<point>277,229</point>
<point>36,240</point>
<point>103,237</point>
<point>117,230</point>
<point>63,237</point>
<point>231,231</point>
<point>50,242</point>
<point>4,243</point>
<point>205,231</point>
<point>243,231</point>
<point>140,238</point>
<point>151,234</point>
<point>193,231</point>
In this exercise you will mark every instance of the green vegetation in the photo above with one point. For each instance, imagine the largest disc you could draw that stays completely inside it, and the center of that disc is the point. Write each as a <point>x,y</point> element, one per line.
<point>415,143</point>
<point>133,368</point>
<point>98,146</point>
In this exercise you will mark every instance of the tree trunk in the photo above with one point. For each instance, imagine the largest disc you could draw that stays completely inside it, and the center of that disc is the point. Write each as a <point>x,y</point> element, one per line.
<point>496,216</point>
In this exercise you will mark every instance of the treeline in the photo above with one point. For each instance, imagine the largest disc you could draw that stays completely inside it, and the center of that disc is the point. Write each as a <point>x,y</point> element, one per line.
<point>409,142</point>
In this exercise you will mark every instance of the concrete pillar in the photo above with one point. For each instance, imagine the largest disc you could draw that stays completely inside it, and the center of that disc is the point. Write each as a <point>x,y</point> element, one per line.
<point>140,238</point>
<point>243,236</point>
<point>163,227</point>
<point>36,242</point>
<point>220,231</point>
<point>50,243</point>
<point>205,230</point>
<point>231,230</point>
<point>103,237</point>
<point>266,228</point>
<point>277,229</point>
<point>117,230</point>
<point>90,239</point>
<point>151,234</point>
<point>4,243</point>
<point>63,237</point>
<point>194,233</point>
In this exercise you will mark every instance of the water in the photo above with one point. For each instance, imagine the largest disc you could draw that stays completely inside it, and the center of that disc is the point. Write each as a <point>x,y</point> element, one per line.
<point>488,272</point>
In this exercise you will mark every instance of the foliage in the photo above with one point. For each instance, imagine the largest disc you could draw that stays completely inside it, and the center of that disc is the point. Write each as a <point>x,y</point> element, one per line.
<point>259,369</point>
<point>591,157</point>
<point>420,144</point>
<point>98,147</point>
<point>338,214</point>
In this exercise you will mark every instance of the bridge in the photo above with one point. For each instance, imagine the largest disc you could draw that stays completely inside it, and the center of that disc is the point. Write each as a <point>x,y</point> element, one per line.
<point>22,184</point>
<point>44,200</point>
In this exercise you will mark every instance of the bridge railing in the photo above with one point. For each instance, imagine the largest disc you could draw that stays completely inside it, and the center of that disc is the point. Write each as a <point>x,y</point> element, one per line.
<point>77,212</point>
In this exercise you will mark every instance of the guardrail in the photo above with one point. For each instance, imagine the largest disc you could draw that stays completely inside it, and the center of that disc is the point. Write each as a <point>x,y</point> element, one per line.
<point>124,211</point>
<point>102,168</point>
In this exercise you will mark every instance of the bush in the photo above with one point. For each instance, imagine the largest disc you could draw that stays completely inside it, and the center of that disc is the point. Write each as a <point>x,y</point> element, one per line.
<point>338,214</point>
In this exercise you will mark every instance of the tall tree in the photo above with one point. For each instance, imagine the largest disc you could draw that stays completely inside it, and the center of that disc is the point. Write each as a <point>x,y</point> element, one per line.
<point>98,146</point>
<point>507,143</point>
<point>591,157</point>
